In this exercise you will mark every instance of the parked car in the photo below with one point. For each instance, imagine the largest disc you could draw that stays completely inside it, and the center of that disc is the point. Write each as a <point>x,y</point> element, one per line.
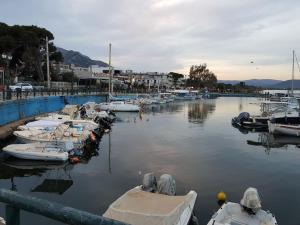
<point>21,86</point>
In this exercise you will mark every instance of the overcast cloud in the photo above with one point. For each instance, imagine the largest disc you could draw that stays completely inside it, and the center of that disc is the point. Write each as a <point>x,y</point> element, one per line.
<point>171,35</point>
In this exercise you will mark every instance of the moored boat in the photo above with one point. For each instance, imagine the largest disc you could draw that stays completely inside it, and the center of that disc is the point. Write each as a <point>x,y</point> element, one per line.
<point>119,106</point>
<point>261,122</point>
<point>143,205</point>
<point>60,135</point>
<point>37,151</point>
<point>248,212</point>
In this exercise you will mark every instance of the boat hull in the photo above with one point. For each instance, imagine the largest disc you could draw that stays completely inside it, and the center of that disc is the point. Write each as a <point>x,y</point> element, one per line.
<point>290,130</point>
<point>120,107</point>
<point>27,140</point>
<point>36,152</point>
<point>233,213</point>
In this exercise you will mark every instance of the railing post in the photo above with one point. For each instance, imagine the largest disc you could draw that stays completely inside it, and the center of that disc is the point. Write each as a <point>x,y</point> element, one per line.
<point>12,215</point>
<point>49,209</point>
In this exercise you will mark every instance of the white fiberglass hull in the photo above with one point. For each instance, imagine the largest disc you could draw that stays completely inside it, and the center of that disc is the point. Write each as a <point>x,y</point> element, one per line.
<point>88,124</point>
<point>77,142</point>
<point>35,151</point>
<point>119,107</point>
<point>233,213</point>
<point>291,130</point>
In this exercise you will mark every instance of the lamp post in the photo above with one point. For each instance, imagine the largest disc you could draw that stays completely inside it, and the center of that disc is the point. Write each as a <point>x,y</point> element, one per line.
<point>47,55</point>
<point>6,58</point>
<point>45,50</point>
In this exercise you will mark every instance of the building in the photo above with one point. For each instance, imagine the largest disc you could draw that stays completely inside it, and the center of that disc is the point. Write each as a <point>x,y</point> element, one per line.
<point>60,68</point>
<point>154,80</point>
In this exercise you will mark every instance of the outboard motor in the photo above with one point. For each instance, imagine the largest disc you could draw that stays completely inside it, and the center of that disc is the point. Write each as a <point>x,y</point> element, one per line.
<point>167,185</point>
<point>251,201</point>
<point>111,113</point>
<point>149,183</point>
<point>244,116</point>
<point>82,112</point>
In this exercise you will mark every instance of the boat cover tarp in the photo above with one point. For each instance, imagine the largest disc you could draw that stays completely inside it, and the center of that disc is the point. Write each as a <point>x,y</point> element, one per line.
<point>70,110</point>
<point>44,123</point>
<point>140,207</point>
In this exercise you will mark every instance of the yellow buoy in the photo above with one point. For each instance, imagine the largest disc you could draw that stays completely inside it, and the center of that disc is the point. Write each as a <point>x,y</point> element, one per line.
<point>221,196</point>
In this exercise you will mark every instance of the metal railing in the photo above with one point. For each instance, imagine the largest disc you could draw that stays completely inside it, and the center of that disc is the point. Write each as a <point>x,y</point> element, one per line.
<point>16,202</point>
<point>14,95</point>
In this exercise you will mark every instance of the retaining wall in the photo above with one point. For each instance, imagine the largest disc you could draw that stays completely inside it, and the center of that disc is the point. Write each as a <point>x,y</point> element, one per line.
<point>18,109</point>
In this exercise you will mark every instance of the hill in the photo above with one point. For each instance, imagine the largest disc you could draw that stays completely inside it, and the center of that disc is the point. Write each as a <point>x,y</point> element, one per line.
<point>286,85</point>
<point>253,82</point>
<point>78,59</point>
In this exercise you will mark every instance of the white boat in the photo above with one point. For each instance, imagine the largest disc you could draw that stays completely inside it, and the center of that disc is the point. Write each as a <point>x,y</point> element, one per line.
<point>138,206</point>
<point>41,124</point>
<point>248,212</point>
<point>54,118</point>
<point>119,106</point>
<point>60,134</point>
<point>284,129</point>
<point>183,95</point>
<point>87,112</point>
<point>37,151</point>
<point>93,110</point>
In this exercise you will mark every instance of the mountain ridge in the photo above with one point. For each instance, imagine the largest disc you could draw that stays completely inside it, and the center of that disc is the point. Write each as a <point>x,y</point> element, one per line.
<point>79,59</point>
<point>253,82</point>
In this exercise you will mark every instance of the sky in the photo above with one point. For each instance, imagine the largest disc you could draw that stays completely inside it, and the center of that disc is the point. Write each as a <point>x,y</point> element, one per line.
<point>172,35</point>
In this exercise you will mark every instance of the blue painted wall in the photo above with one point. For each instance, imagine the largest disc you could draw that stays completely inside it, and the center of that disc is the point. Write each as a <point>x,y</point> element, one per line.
<point>14,110</point>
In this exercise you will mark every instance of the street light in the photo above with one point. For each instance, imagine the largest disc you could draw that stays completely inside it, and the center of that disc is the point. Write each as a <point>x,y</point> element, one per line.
<point>42,49</point>
<point>7,58</point>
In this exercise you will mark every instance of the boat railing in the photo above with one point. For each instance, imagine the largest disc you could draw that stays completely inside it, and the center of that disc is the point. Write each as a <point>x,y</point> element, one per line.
<point>16,202</point>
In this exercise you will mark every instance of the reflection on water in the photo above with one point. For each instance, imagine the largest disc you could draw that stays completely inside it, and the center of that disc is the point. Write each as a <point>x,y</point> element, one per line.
<point>269,141</point>
<point>11,168</point>
<point>194,141</point>
<point>199,111</point>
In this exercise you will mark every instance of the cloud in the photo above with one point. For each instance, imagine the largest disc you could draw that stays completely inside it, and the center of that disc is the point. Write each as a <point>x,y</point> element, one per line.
<point>171,35</point>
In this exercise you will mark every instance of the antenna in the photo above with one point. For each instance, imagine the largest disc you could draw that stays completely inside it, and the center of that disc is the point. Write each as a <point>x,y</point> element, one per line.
<point>293,71</point>
<point>109,64</point>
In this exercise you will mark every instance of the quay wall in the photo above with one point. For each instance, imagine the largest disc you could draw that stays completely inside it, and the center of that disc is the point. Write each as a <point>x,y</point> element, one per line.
<point>11,111</point>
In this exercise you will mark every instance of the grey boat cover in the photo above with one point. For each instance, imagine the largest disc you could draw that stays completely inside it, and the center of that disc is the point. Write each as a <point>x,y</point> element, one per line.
<point>138,207</point>
<point>70,110</point>
<point>166,185</point>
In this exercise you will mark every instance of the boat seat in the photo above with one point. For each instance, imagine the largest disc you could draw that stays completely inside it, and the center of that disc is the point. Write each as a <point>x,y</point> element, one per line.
<point>140,207</point>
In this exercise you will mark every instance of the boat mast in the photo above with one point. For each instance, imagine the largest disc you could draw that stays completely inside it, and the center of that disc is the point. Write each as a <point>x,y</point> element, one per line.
<point>109,64</point>
<point>293,71</point>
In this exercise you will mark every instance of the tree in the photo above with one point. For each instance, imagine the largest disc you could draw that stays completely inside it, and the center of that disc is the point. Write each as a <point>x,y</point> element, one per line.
<point>24,44</point>
<point>176,77</point>
<point>69,77</point>
<point>200,76</point>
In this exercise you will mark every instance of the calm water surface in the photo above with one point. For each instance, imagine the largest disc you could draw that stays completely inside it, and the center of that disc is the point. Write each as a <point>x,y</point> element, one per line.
<point>193,141</point>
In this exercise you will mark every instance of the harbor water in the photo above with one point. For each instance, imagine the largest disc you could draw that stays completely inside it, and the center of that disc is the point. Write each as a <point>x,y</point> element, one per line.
<point>194,141</point>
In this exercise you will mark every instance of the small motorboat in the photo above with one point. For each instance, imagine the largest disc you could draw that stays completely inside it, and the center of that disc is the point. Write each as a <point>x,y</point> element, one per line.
<point>37,151</point>
<point>148,204</point>
<point>246,121</point>
<point>250,122</point>
<point>91,110</point>
<point>119,106</point>
<point>248,212</point>
<point>62,133</point>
